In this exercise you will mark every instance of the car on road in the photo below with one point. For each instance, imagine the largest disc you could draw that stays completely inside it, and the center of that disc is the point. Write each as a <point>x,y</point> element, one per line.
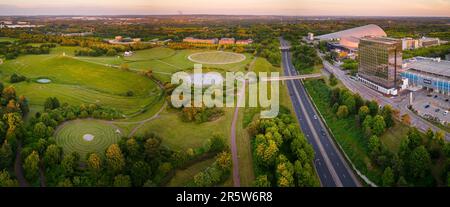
<point>427,106</point>
<point>315,117</point>
<point>322,132</point>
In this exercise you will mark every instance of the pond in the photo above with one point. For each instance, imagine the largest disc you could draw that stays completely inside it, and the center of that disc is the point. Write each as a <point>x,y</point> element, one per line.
<point>43,80</point>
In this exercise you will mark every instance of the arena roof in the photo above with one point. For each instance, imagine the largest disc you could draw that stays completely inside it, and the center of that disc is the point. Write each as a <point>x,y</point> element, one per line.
<point>357,32</point>
<point>439,68</point>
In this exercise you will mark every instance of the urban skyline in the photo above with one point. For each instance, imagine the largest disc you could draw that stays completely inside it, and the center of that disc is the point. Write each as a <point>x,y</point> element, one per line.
<point>231,7</point>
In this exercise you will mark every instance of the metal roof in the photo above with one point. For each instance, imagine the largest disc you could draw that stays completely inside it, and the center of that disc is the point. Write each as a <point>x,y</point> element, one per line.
<point>439,68</point>
<point>357,32</point>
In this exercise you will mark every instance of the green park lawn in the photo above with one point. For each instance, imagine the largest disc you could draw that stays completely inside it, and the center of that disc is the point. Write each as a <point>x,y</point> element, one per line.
<point>7,39</point>
<point>76,82</point>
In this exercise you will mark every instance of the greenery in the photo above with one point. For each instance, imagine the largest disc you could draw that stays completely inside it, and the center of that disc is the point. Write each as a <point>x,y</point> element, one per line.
<point>433,51</point>
<point>410,164</point>
<point>305,58</point>
<point>282,155</point>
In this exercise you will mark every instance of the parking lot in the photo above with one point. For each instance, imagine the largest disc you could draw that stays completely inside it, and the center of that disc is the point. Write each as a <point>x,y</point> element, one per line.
<point>432,104</point>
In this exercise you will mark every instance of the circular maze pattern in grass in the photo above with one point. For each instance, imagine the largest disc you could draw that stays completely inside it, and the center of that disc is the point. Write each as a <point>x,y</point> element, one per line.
<point>72,137</point>
<point>216,57</point>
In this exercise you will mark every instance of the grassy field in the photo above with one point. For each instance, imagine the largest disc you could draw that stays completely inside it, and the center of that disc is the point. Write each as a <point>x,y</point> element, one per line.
<point>7,39</point>
<point>76,82</point>
<point>70,136</point>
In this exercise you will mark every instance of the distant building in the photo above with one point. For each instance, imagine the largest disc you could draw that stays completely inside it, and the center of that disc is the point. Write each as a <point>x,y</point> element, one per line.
<point>428,42</point>
<point>118,38</point>
<point>409,43</point>
<point>310,36</point>
<point>227,41</point>
<point>429,73</point>
<point>204,41</point>
<point>136,39</point>
<point>128,53</point>
<point>244,42</point>
<point>357,32</point>
<point>380,62</point>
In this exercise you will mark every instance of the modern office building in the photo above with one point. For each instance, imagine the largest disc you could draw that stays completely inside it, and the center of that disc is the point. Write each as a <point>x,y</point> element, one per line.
<point>428,42</point>
<point>409,43</point>
<point>429,73</point>
<point>380,62</point>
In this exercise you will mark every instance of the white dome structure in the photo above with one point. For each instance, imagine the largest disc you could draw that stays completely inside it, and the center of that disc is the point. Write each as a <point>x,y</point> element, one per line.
<point>357,32</point>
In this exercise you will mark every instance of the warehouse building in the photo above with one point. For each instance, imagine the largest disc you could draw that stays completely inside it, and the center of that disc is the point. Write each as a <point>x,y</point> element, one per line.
<point>429,73</point>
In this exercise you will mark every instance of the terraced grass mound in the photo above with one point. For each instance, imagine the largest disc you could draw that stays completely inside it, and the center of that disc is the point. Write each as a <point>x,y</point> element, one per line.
<point>216,57</point>
<point>86,136</point>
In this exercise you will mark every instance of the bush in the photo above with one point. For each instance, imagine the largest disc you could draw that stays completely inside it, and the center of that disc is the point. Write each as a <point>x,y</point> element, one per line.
<point>17,78</point>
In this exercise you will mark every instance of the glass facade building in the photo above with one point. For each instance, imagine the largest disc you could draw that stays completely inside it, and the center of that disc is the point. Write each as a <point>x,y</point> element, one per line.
<point>380,61</point>
<point>430,74</point>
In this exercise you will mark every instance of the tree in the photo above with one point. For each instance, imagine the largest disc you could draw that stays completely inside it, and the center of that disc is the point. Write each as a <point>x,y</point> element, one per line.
<point>414,137</point>
<point>6,180</point>
<point>217,144</point>
<point>31,166</point>
<point>9,93</point>
<point>387,114</point>
<point>223,160</point>
<point>262,181</point>
<point>378,125</point>
<point>52,155</point>
<point>305,175</point>
<point>69,163</point>
<point>373,107</point>
<point>114,159</point>
<point>94,163</point>
<point>406,119</point>
<point>111,52</point>
<point>6,155</point>
<point>151,147</point>
<point>40,130</point>
<point>388,177</point>
<point>132,148</point>
<point>350,102</point>
<point>333,80</point>
<point>284,172</point>
<point>342,111</point>
<point>51,103</point>
<point>367,125</point>
<point>122,181</point>
<point>420,162</point>
<point>374,147</point>
<point>363,112</point>
<point>140,172</point>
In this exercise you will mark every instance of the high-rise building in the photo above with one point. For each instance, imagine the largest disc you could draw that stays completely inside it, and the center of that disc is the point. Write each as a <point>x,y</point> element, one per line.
<point>380,62</point>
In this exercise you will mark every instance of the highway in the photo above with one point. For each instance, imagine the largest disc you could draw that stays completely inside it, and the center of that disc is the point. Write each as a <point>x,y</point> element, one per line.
<point>330,164</point>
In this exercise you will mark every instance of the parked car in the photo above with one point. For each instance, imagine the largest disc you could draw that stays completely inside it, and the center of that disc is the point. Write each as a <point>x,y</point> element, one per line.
<point>445,113</point>
<point>446,100</point>
<point>435,96</point>
<point>427,106</point>
<point>437,110</point>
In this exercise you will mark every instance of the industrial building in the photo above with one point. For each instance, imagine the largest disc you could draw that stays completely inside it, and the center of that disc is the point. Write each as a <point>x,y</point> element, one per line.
<point>429,73</point>
<point>380,63</point>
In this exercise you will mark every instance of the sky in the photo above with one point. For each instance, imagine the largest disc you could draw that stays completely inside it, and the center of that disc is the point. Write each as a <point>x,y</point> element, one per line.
<point>229,7</point>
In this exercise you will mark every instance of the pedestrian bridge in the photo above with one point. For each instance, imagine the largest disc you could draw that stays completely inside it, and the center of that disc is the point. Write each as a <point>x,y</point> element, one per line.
<point>302,77</point>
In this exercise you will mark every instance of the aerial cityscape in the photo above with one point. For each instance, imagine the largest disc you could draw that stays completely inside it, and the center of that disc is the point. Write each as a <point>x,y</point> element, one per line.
<point>229,94</point>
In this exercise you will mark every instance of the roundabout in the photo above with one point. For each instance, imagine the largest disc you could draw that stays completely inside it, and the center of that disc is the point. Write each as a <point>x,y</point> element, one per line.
<point>217,57</point>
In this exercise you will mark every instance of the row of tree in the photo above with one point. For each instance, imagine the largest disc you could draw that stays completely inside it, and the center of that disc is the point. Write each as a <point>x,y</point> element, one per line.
<point>282,155</point>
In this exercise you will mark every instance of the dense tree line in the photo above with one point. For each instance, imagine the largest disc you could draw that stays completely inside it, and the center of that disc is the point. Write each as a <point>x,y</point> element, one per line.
<point>12,109</point>
<point>282,155</point>
<point>305,58</point>
<point>434,51</point>
<point>13,50</point>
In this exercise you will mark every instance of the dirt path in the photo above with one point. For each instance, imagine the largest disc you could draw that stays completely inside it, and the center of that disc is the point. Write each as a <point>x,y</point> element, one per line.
<point>18,170</point>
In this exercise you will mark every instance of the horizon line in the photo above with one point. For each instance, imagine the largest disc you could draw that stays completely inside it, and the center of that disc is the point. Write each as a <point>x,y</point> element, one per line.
<point>209,14</point>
